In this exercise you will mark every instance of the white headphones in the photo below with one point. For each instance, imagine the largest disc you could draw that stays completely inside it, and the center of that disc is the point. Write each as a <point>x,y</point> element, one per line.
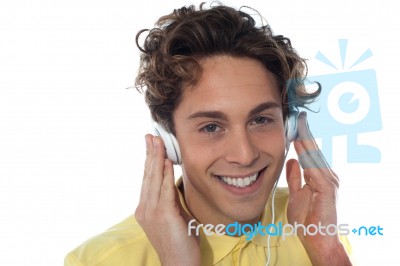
<point>174,153</point>
<point>291,129</point>
<point>170,142</point>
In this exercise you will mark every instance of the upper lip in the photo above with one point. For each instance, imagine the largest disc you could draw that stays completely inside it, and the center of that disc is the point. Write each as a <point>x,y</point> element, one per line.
<point>243,176</point>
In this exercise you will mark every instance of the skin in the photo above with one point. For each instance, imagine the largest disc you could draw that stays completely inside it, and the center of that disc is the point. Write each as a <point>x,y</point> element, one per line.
<point>218,118</point>
<point>230,123</point>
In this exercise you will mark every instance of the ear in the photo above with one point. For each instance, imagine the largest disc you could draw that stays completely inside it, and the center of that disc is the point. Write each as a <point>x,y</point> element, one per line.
<point>170,143</point>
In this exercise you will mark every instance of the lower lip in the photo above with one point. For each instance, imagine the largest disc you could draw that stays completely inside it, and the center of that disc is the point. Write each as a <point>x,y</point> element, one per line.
<point>245,190</point>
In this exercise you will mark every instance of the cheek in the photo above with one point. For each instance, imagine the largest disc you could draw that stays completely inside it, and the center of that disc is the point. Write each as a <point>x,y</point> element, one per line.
<point>198,156</point>
<point>272,141</point>
<point>274,150</point>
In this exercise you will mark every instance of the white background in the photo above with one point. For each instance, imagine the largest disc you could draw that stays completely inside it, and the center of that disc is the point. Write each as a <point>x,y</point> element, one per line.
<point>71,134</point>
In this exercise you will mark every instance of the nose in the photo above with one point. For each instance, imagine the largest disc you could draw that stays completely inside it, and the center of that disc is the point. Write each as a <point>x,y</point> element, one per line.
<point>241,149</point>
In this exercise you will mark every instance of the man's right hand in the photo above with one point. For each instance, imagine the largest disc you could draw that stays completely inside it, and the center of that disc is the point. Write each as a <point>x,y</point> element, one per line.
<point>160,212</point>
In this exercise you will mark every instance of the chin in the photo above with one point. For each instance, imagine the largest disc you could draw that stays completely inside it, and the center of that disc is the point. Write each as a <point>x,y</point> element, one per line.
<point>248,212</point>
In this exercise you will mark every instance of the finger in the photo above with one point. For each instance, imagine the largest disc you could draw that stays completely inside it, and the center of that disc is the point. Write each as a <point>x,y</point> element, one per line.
<point>319,181</point>
<point>169,193</point>
<point>309,154</point>
<point>149,150</point>
<point>293,175</point>
<point>168,189</point>
<point>156,174</point>
<point>304,134</point>
<point>312,159</point>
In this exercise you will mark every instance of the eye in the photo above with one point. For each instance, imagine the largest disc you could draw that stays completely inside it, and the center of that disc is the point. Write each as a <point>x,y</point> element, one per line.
<point>211,128</point>
<point>260,120</point>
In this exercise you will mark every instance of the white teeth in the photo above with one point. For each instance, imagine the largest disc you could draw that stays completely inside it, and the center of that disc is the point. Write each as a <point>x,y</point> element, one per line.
<point>239,182</point>
<point>234,182</point>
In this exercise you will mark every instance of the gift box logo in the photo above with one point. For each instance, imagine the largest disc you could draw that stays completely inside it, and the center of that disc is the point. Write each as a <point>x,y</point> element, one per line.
<point>348,105</point>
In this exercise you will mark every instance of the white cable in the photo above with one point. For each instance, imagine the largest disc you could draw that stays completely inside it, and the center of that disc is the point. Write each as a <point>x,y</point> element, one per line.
<point>273,210</point>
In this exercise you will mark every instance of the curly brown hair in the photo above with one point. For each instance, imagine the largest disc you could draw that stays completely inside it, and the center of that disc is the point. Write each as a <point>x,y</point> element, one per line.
<point>171,51</point>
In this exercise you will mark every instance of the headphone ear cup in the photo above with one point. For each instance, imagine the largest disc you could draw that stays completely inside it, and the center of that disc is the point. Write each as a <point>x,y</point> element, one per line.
<point>291,129</point>
<point>171,144</point>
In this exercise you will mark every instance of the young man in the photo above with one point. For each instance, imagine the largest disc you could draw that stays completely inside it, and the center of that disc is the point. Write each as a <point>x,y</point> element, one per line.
<point>225,89</point>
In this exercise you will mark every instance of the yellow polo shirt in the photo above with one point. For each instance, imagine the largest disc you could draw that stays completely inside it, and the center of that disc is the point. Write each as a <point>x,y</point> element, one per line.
<point>127,244</point>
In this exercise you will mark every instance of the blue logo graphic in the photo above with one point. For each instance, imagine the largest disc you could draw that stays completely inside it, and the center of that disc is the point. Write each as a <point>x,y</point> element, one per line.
<point>348,105</point>
<point>368,230</point>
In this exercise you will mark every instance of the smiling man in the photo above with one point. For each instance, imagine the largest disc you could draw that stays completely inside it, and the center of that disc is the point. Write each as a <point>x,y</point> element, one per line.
<point>230,128</point>
<point>219,84</point>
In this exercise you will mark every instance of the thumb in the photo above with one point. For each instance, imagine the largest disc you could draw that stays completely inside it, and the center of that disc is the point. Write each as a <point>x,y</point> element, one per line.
<point>293,175</point>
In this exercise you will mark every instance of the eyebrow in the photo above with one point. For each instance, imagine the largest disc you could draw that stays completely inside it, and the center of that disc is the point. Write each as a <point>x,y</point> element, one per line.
<point>222,116</point>
<point>264,106</point>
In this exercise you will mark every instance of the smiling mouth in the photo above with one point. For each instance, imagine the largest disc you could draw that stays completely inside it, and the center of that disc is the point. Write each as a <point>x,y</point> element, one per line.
<point>241,182</point>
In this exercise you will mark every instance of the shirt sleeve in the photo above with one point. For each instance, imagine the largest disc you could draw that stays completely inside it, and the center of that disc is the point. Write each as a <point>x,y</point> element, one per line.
<point>71,260</point>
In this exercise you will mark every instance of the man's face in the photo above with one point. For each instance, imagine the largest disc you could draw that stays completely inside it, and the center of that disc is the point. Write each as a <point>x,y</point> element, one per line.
<point>230,130</point>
